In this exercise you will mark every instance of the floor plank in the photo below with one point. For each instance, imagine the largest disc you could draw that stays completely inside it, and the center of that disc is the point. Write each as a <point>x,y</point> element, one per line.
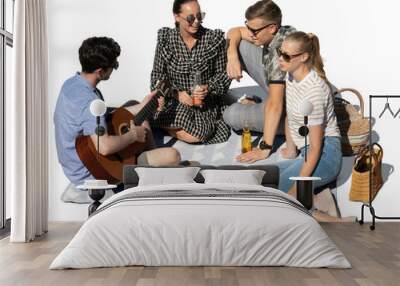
<point>374,255</point>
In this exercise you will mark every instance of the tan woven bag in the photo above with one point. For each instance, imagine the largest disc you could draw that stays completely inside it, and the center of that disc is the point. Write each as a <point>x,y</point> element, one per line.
<point>353,126</point>
<point>361,170</point>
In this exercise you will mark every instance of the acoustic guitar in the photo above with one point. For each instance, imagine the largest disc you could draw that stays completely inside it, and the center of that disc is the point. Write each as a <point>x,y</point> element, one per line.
<point>110,167</point>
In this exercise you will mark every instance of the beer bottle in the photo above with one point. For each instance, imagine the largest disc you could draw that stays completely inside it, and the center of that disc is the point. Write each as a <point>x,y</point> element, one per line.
<point>246,139</point>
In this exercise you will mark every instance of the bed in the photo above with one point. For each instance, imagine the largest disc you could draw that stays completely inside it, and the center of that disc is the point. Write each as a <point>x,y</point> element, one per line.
<point>201,224</point>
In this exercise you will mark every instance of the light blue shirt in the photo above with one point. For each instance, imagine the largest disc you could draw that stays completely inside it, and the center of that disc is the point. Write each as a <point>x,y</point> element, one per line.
<point>72,118</point>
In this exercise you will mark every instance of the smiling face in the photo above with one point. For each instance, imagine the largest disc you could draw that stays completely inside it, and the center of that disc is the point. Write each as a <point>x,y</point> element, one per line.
<point>291,56</point>
<point>190,17</point>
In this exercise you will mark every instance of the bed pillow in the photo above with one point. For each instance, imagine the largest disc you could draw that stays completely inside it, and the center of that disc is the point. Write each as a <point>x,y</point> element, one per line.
<point>247,177</point>
<point>166,176</point>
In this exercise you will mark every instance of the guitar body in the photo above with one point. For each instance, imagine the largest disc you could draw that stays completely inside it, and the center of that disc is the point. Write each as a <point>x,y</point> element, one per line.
<point>110,167</point>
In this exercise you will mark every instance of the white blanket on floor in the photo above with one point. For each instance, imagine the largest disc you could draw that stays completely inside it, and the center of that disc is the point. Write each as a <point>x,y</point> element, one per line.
<point>199,224</point>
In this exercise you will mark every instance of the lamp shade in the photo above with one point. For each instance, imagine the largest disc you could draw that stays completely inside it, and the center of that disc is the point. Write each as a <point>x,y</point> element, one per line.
<point>98,107</point>
<point>306,108</point>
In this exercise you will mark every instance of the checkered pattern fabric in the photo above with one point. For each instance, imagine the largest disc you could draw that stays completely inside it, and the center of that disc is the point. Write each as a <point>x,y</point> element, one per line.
<point>176,63</point>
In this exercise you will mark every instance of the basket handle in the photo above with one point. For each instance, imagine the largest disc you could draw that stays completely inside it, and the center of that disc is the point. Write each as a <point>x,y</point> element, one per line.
<point>354,91</point>
<point>376,156</point>
<point>379,152</point>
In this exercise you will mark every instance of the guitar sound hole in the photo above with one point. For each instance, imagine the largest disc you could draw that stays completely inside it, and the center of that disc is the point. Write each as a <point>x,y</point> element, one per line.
<point>124,129</point>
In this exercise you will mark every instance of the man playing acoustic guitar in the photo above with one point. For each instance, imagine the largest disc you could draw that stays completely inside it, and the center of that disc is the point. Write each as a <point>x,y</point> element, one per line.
<point>72,116</point>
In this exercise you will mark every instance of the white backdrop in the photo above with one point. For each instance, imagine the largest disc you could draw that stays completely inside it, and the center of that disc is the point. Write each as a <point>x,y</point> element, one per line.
<point>359,42</point>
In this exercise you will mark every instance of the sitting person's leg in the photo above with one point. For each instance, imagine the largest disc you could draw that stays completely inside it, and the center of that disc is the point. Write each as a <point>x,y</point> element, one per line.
<point>192,125</point>
<point>327,169</point>
<point>251,57</point>
<point>330,163</point>
<point>236,114</point>
<point>159,157</point>
<point>182,135</point>
<point>287,169</point>
<point>328,166</point>
<point>291,168</point>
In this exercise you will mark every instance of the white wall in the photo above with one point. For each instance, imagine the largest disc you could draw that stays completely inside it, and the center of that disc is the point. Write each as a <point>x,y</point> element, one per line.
<point>359,42</point>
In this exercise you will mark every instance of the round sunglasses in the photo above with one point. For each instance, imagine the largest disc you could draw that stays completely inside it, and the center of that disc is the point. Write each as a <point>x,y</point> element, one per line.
<point>191,18</point>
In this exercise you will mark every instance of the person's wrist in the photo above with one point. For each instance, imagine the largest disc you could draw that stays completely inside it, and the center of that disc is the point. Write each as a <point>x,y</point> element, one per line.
<point>265,153</point>
<point>290,145</point>
<point>232,56</point>
<point>265,146</point>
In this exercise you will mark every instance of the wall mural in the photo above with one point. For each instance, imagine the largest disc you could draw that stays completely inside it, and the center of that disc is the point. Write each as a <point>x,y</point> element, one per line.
<point>194,116</point>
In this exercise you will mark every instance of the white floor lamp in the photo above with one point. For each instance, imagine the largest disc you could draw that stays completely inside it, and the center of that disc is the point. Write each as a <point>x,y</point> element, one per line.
<point>304,185</point>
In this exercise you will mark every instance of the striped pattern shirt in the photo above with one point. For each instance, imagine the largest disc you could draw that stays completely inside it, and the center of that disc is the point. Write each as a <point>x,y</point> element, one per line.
<point>317,92</point>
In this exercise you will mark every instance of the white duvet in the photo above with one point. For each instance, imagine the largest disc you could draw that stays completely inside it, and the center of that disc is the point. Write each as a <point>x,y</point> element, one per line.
<point>233,229</point>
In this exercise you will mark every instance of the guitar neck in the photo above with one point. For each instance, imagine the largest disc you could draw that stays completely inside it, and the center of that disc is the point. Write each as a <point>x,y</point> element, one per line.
<point>147,111</point>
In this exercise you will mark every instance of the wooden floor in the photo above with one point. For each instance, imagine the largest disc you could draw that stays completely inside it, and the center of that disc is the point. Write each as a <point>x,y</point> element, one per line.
<point>374,255</point>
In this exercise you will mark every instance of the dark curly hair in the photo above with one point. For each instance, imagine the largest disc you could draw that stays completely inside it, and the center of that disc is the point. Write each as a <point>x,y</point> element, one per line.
<point>98,52</point>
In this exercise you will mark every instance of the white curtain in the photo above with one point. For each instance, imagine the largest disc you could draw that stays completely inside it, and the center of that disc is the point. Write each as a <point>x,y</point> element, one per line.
<point>27,123</point>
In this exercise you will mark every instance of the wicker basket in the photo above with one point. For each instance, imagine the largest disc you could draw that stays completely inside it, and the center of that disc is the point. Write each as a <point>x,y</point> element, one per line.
<point>361,171</point>
<point>353,126</point>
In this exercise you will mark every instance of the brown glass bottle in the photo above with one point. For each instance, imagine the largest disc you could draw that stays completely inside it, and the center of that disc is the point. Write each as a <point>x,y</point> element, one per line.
<point>246,139</point>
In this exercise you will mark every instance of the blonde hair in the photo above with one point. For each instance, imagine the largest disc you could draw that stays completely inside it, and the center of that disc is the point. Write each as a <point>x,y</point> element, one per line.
<point>309,43</point>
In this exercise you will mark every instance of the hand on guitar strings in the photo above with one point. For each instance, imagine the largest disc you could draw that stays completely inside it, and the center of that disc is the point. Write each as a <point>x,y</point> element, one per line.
<point>138,132</point>
<point>160,100</point>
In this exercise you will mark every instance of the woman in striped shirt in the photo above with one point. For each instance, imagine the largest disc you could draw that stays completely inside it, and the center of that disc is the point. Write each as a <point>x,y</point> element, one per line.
<point>306,81</point>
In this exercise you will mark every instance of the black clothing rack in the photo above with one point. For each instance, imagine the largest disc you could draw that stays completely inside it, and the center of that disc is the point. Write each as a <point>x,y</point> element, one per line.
<point>369,205</point>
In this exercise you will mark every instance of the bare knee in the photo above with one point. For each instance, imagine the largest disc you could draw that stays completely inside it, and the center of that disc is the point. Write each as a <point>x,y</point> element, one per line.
<point>172,156</point>
<point>160,157</point>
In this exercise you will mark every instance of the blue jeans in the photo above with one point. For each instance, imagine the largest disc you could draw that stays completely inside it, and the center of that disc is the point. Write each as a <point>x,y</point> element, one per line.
<point>328,166</point>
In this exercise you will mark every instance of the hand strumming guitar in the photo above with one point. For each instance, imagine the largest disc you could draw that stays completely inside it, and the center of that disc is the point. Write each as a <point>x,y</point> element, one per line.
<point>148,97</point>
<point>137,133</point>
<point>134,109</point>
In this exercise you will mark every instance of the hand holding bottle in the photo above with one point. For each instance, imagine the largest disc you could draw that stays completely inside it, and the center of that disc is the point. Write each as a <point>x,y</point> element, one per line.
<point>199,90</point>
<point>199,93</point>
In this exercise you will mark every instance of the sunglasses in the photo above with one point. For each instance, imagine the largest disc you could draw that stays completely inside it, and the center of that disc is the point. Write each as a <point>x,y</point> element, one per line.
<point>285,56</point>
<point>191,18</point>
<point>256,31</point>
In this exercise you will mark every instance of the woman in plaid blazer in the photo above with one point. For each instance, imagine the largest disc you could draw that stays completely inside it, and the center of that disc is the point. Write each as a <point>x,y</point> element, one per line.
<point>181,53</point>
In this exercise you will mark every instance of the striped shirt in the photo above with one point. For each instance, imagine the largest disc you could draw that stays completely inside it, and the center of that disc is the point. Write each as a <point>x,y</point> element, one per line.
<point>317,92</point>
